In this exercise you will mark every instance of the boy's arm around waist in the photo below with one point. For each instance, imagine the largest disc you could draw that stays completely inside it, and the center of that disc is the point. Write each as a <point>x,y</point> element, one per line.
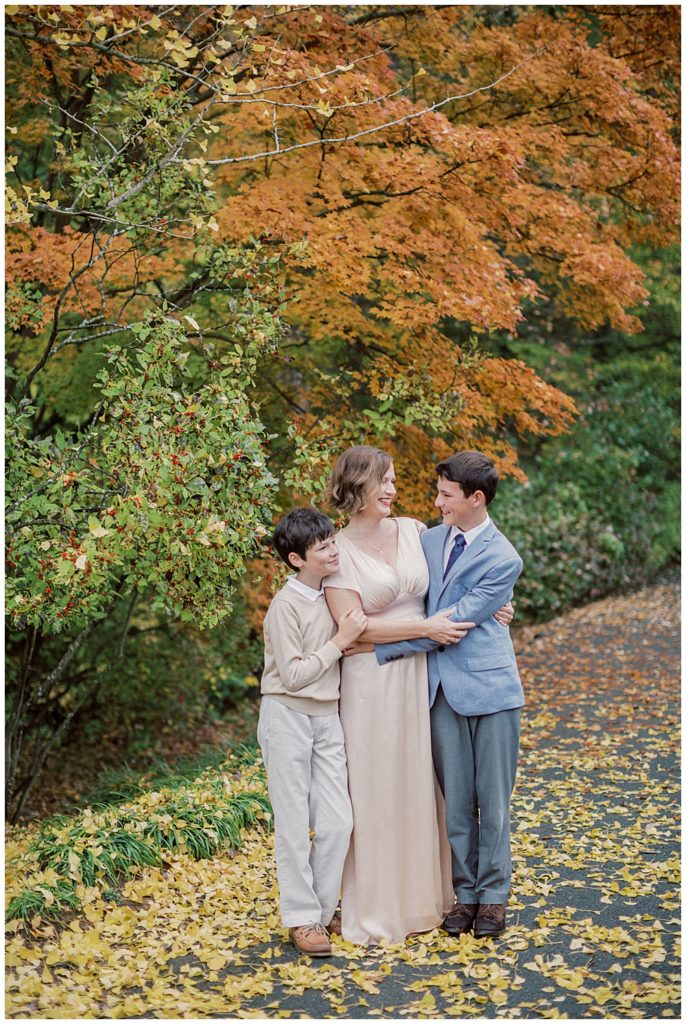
<point>296,669</point>
<point>489,594</point>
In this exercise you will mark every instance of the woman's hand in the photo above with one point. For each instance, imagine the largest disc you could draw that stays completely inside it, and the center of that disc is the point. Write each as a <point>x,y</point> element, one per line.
<point>442,630</point>
<point>504,615</point>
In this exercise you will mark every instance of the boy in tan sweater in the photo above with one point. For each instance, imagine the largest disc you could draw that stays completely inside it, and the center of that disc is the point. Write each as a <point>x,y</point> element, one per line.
<point>300,733</point>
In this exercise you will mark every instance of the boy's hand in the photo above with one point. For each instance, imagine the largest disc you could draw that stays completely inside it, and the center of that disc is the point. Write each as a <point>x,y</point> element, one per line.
<point>350,625</point>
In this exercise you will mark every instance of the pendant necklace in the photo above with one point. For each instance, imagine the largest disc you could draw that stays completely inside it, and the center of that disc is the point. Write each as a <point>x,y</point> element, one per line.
<point>379,551</point>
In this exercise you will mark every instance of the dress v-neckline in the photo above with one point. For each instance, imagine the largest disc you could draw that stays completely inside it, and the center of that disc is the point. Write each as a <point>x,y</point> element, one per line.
<point>377,561</point>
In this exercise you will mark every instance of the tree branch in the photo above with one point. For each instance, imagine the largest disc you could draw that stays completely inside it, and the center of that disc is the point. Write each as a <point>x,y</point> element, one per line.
<point>375,128</point>
<point>386,12</point>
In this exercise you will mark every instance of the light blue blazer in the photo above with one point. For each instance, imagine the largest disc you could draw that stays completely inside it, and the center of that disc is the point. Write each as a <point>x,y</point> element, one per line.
<point>479,674</point>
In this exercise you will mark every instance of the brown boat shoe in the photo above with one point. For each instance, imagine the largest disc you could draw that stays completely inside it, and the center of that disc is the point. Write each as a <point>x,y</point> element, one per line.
<point>460,919</point>
<point>490,920</point>
<point>311,939</point>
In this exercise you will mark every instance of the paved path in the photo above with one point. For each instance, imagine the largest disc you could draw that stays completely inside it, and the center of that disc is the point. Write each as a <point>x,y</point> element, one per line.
<point>595,908</point>
<point>594,915</point>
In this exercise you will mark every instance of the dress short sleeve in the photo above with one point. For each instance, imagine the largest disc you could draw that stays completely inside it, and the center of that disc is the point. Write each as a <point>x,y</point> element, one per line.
<point>421,527</point>
<point>347,577</point>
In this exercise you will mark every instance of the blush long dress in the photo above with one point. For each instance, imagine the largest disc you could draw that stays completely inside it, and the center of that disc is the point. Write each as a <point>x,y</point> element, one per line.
<point>396,878</point>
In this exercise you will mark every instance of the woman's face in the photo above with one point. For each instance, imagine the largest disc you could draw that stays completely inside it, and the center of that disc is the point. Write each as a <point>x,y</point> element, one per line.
<point>381,495</point>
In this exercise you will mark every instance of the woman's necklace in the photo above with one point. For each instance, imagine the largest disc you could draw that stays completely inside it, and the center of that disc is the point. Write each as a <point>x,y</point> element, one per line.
<point>379,551</point>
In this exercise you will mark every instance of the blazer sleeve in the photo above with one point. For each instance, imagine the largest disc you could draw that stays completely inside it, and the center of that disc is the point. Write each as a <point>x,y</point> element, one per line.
<point>391,652</point>
<point>490,594</point>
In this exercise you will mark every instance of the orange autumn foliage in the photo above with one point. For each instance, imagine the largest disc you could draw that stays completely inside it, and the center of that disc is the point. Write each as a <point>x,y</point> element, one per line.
<point>530,192</point>
<point>430,174</point>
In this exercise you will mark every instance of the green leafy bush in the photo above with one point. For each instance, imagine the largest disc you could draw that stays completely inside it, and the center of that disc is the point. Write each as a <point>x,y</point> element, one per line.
<point>141,523</point>
<point>600,513</point>
<point>165,496</point>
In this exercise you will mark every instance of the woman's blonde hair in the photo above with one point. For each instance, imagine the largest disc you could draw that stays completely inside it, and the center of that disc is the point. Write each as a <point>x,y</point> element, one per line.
<point>355,473</point>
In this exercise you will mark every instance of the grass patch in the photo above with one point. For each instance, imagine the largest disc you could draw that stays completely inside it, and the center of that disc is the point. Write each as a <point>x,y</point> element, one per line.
<point>103,845</point>
<point>122,784</point>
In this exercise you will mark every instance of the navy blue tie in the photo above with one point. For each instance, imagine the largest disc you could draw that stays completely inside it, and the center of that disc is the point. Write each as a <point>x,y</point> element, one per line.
<point>458,547</point>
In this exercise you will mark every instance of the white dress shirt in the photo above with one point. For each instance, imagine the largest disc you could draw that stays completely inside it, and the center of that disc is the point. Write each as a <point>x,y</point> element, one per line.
<point>309,592</point>
<point>469,536</point>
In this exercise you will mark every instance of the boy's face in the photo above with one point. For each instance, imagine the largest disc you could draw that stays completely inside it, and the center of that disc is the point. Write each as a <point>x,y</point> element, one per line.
<point>455,508</point>
<point>321,559</point>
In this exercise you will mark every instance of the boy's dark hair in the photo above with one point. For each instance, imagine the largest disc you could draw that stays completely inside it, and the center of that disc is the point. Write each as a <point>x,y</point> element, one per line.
<point>299,530</point>
<point>473,472</point>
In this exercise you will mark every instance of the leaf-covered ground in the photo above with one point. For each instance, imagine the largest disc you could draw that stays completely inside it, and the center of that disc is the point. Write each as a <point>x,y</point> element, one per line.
<point>594,916</point>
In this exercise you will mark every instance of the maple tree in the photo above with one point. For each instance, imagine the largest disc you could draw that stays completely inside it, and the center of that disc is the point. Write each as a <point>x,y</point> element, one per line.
<point>404,180</point>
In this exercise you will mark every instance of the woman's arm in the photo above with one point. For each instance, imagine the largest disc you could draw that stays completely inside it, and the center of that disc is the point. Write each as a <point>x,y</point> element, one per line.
<point>383,629</point>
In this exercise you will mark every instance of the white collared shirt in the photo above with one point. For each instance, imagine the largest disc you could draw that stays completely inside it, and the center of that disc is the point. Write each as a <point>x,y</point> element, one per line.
<point>309,592</point>
<point>469,536</point>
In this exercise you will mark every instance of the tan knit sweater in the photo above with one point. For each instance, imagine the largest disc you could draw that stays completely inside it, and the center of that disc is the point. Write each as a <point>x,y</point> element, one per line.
<point>301,667</point>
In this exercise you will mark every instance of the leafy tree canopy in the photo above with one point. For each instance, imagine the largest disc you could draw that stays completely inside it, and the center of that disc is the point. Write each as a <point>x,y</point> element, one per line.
<point>226,223</point>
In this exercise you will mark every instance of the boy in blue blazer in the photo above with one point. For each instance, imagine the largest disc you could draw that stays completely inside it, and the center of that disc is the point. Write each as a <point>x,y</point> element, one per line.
<point>474,690</point>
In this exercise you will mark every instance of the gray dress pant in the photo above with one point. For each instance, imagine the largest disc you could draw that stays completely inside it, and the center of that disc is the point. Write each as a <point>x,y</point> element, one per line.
<point>475,758</point>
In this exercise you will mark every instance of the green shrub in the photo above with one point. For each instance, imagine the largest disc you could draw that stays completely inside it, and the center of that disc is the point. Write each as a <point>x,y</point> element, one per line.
<point>600,513</point>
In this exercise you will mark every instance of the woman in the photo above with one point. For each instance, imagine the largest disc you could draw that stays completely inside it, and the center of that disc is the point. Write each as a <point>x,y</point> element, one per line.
<point>392,881</point>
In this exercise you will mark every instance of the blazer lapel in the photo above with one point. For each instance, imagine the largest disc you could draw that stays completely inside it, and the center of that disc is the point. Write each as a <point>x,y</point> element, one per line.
<point>469,554</point>
<point>434,557</point>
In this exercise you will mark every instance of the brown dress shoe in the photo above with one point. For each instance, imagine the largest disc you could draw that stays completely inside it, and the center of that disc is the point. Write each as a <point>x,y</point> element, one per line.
<point>459,920</point>
<point>334,925</point>
<point>490,920</point>
<point>311,939</point>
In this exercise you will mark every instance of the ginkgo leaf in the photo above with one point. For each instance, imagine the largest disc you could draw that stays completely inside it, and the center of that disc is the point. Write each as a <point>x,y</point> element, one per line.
<point>95,528</point>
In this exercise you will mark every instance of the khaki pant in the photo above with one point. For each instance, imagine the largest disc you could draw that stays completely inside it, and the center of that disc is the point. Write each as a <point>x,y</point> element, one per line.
<point>308,788</point>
